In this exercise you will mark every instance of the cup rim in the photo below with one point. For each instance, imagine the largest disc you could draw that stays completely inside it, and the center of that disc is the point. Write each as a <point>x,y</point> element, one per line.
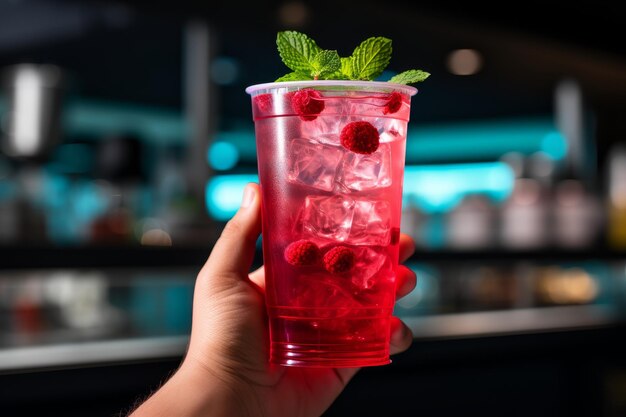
<point>365,85</point>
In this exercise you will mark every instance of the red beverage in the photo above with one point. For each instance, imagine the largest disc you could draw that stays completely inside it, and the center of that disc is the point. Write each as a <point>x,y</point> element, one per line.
<point>331,163</point>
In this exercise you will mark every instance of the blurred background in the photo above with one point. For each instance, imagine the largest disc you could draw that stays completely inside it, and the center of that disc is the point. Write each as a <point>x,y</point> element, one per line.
<point>126,139</point>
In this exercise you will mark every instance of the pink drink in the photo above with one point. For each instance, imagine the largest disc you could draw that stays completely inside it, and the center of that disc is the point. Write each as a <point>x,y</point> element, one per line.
<point>317,191</point>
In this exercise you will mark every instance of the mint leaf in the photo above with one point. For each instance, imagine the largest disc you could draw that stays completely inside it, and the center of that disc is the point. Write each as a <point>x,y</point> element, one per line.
<point>370,58</point>
<point>324,63</point>
<point>346,67</point>
<point>297,50</point>
<point>409,77</point>
<point>294,76</point>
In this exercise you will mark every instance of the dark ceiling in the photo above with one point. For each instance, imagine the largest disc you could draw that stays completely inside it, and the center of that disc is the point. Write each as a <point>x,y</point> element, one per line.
<point>132,50</point>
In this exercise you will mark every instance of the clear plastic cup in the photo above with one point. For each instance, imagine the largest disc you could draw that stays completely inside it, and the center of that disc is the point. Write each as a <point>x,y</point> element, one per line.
<point>331,205</point>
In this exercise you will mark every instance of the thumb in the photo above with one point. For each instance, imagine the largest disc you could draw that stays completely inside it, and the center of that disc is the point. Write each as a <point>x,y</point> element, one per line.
<point>234,250</point>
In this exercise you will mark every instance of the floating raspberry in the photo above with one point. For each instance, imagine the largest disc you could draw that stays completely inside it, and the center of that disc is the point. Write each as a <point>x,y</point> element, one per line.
<point>339,259</point>
<point>307,104</point>
<point>393,104</point>
<point>360,137</point>
<point>302,253</point>
<point>263,102</point>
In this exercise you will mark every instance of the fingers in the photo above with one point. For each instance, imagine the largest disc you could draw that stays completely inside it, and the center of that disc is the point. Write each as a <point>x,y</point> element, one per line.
<point>401,336</point>
<point>407,247</point>
<point>233,252</point>
<point>405,281</point>
<point>258,277</point>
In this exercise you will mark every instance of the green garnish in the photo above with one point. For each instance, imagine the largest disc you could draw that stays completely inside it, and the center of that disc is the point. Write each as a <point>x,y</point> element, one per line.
<point>310,62</point>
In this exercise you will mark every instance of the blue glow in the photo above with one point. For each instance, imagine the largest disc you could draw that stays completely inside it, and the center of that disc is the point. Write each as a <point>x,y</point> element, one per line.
<point>102,119</point>
<point>87,202</point>
<point>482,140</point>
<point>223,194</point>
<point>223,156</point>
<point>554,145</point>
<point>440,188</point>
<point>243,140</point>
<point>434,189</point>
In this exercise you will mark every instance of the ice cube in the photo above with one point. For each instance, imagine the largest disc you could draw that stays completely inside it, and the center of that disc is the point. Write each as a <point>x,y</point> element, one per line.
<point>390,129</point>
<point>313,164</point>
<point>328,217</point>
<point>364,172</point>
<point>327,127</point>
<point>369,263</point>
<point>367,106</point>
<point>370,223</point>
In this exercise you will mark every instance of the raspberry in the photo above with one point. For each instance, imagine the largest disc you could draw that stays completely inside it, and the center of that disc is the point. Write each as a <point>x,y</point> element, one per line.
<point>307,104</point>
<point>360,137</point>
<point>393,104</point>
<point>263,102</point>
<point>302,253</point>
<point>339,259</point>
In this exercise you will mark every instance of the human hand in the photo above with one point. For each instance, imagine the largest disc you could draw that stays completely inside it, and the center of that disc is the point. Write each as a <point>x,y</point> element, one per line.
<point>226,369</point>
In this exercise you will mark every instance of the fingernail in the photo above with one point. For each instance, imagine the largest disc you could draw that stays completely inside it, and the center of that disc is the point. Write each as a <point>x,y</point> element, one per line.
<point>248,196</point>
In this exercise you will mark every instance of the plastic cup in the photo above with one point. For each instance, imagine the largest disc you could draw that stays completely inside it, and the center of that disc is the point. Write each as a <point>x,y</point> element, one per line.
<point>331,162</point>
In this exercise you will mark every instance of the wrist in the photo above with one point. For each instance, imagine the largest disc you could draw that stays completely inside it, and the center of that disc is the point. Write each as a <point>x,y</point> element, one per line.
<point>193,392</point>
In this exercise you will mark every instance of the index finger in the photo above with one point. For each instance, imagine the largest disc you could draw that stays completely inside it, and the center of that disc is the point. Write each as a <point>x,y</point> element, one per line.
<point>407,247</point>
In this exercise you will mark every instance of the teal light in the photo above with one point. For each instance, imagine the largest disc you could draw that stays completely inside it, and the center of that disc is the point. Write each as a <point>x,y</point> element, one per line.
<point>554,145</point>
<point>223,194</point>
<point>483,140</point>
<point>439,188</point>
<point>243,140</point>
<point>157,125</point>
<point>434,189</point>
<point>222,155</point>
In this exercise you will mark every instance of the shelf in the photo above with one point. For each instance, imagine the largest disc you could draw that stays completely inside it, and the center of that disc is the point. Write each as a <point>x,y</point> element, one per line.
<point>26,257</point>
<point>451,326</point>
<point>529,320</point>
<point>89,353</point>
<point>493,255</point>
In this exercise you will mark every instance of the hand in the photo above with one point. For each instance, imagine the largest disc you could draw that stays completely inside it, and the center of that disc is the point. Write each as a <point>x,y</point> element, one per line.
<point>226,369</point>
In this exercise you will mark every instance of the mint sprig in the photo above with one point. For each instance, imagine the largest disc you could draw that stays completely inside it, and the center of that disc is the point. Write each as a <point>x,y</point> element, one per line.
<point>409,77</point>
<point>310,62</point>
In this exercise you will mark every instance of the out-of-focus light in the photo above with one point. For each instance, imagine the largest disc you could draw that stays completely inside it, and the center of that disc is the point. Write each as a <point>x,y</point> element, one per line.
<point>568,286</point>
<point>617,177</point>
<point>464,61</point>
<point>527,193</point>
<point>554,145</point>
<point>27,112</point>
<point>156,237</point>
<point>224,70</point>
<point>480,140</point>
<point>294,14</point>
<point>223,156</point>
<point>541,165</point>
<point>223,194</point>
<point>516,161</point>
<point>440,188</point>
<point>32,125</point>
